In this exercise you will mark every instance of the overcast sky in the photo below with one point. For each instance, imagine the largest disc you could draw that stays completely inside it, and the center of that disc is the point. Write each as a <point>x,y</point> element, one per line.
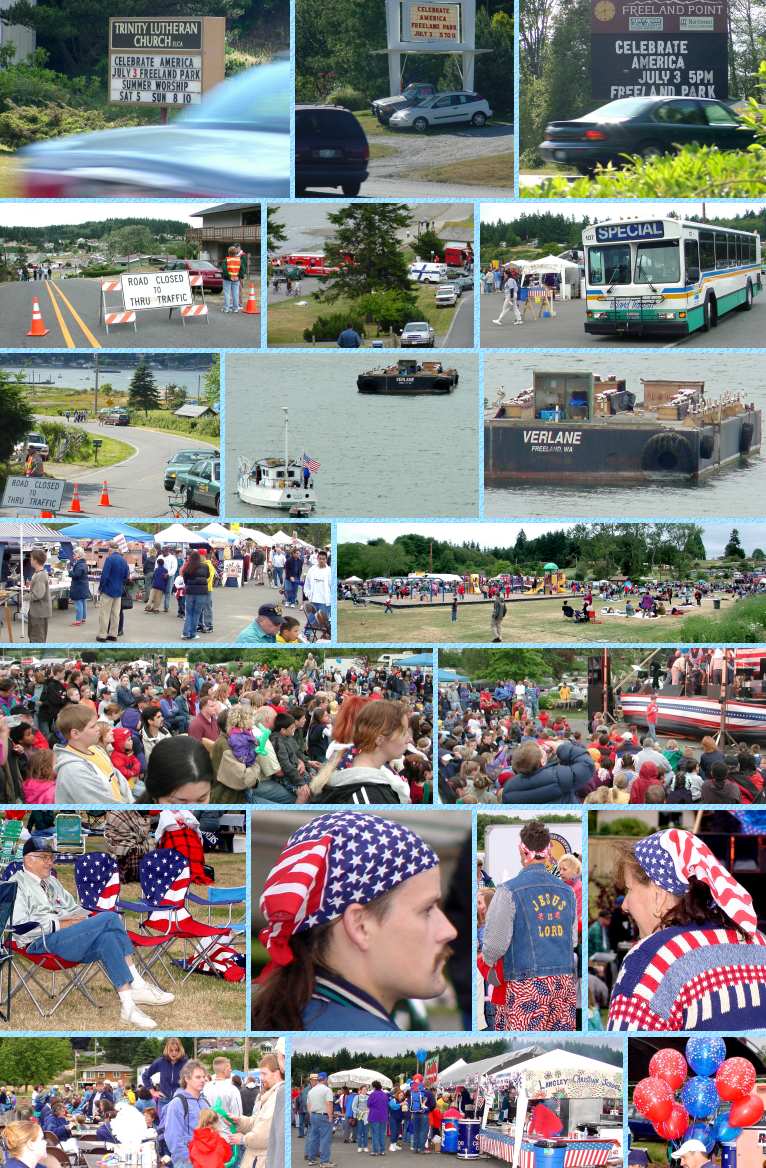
<point>41,212</point>
<point>601,209</point>
<point>403,1044</point>
<point>715,535</point>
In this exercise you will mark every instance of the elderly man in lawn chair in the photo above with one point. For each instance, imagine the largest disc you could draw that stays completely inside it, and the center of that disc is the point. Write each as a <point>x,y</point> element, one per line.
<point>49,922</point>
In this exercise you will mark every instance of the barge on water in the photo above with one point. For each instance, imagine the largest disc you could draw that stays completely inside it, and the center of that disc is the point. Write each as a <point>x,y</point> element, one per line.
<point>580,428</point>
<point>408,378</point>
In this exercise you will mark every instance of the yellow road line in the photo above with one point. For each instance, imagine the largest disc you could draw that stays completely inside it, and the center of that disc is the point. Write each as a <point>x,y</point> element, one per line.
<point>62,325</point>
<point>94,343</point>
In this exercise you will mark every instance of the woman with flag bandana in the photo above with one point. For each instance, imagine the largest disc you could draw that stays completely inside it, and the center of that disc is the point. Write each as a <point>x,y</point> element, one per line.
<point>344,885</point>
<point>700,962</point>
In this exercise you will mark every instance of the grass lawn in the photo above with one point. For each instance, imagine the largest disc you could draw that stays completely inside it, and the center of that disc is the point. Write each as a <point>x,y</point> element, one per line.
<point>494,170</point>
<point>289,317</point>
<point>381,150</point>
<point>202,1002</point>
<point>533,622</point>
<point>111,452</point>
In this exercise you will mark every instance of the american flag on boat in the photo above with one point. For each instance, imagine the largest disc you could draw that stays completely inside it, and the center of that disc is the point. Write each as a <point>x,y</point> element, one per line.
<point>310,463</point>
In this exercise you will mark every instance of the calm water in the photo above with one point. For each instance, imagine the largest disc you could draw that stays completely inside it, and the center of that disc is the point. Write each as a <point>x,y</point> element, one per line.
<point>83,378</point>
<point>734,493</point>
<point>380,456</point>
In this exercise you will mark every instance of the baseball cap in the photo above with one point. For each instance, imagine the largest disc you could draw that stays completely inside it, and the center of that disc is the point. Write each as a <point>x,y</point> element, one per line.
<point>689,1146</point>
<point>38,843</point>
<point>271,612</point>
<point>322,1075</point>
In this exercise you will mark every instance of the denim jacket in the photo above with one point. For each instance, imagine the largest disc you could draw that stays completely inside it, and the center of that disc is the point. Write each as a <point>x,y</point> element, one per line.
<point>532,926</point>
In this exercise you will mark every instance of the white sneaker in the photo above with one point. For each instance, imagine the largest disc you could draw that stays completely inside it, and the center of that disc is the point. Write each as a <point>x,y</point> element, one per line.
<point>497,322</point>
<point>518,322</point>
<point>136,1017</point>
<point>149,995</point>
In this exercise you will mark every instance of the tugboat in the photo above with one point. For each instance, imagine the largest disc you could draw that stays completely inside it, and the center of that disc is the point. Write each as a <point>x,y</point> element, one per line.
<point>278,483</point>
<point>578,427</point>
<point>409,378</point>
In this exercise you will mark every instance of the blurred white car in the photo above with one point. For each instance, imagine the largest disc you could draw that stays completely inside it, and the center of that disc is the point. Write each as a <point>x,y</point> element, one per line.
<point>446,296</point>
<point>443,109</point>
<point>417,333</point>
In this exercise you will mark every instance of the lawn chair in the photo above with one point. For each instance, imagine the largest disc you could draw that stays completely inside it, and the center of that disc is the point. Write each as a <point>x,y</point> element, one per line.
<point>10,839</point>
<point>69,838</point>
<point>7,901</point>
<point>229,898</point>
<point>97,879</point>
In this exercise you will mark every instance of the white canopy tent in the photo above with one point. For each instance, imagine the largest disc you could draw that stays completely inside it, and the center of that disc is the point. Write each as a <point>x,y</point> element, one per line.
<point>217,533</point>
<point>568,272</point>
<point>177,533</point>
<point>281,537</point>
<point>556,1073</point>
<point>470,1074</point>
<point>359,1077</point>
<point>259,537</point>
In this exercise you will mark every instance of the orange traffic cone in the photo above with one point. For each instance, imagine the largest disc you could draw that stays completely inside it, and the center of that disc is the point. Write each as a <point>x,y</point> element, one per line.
<point>251,308</point>
<point>74,506</point>
<point>104,501</point>
<point>37,327</point>
<point>46,515</point>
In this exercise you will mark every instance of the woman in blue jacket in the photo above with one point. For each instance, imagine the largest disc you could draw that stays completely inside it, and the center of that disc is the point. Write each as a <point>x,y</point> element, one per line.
<point>169,1066</point>
<point>79,589</point>
<point>562,780</point>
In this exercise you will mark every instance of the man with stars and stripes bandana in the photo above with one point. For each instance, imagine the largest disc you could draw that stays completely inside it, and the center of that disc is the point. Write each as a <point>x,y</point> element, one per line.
<point>700,962</point>
<point>350,894</point>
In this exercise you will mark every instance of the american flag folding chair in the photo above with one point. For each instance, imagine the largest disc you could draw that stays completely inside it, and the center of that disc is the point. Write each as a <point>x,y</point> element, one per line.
<point>165,877</point>
<point>97,879</point>
<point>45,978</point>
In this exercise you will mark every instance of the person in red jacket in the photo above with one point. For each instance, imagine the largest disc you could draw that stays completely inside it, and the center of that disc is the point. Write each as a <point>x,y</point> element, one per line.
<point>207,1147</point>
<point>646,777</point>
<point>123,758</point>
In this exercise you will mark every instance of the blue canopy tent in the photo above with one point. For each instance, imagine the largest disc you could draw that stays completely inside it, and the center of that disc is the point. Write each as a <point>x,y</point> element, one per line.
<point>448,675</point>
<point>415,659</point>
<point>101,529</point>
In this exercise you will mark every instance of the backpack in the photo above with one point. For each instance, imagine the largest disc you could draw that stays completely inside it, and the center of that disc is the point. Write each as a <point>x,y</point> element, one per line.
<point>162,1148</point>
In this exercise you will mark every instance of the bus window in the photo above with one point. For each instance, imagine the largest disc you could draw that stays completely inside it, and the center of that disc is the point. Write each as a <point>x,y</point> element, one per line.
<point>610,264</point>
<point>691,261</point>
<point>707,250</point>
<point>721,250</point>
<point>657,262</point>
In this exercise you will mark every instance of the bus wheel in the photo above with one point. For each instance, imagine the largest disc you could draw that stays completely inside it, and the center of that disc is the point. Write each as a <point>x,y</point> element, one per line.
<point>748,303</point>
<point>708,314</point>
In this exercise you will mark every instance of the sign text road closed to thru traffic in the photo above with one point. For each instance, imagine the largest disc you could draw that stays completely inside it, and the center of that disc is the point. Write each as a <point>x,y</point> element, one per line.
<point>36,493</point>
<point>142,290</point>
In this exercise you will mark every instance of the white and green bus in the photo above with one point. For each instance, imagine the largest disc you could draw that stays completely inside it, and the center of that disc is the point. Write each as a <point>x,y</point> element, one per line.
<point>666,276</point>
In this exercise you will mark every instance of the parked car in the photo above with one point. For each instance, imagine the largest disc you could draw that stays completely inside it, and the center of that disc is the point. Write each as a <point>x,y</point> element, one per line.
<point>443,109</point>
<point>331,149</point>
<point>647,126</point>
<point>114,417</point>
<point>464,281</point>
<point>446,295</point>
<point>384,107</point>
<point>200,483</point>
<point>34,442</point>
<point>417,334</point>
<point>235,144</point>
<point>181,460</point>
<point>212,280</point>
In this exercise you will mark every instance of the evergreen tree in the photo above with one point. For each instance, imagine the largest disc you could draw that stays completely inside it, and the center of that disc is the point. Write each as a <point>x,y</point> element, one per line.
<point>143,393</point>
<point>16,414</point>
<point>275,231</point>
<point>734,549</point>
<point>211,383</point>
<point>368,232</point>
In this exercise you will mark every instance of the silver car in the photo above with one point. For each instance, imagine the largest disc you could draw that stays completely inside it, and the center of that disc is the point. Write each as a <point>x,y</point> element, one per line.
<point>418,333</point>
<point>443,109</point>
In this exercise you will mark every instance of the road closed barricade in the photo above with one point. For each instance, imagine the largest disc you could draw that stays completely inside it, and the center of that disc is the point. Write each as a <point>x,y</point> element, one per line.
<point>123,297</point>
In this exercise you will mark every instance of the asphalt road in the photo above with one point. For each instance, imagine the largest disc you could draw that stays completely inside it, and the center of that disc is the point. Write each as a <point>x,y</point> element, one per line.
<point>459,335</point>
<point>70,311</point>
<point>737,330</point>
<point>233,610</point>
<point>135,485</point>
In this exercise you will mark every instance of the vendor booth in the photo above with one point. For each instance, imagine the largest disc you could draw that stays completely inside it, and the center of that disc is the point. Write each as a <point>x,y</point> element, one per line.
<point>580,1100</point>
<point>359,1077</point>
<point>562,274</point>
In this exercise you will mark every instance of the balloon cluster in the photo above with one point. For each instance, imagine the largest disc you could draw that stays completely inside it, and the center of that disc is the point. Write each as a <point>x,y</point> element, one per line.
<point>699,1112</point>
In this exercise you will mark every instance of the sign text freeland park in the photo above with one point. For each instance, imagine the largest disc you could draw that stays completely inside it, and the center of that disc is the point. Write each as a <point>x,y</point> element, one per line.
<point>659,48</point>
<point>164,62</point>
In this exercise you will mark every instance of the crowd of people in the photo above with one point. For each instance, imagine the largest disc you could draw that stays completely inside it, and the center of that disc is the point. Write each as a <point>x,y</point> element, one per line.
<point>502,746</point>
<point>370,1117</point>
<point>151,733</point>
<point>188,579</point>
<point>189,1116</point>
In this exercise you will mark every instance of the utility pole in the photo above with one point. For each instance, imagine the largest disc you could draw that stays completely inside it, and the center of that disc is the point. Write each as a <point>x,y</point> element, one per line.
<point>95,386</point>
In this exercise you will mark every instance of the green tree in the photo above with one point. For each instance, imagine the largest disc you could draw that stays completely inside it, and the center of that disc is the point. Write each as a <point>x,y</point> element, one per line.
<point>34,1060</point>
<point>734,549</point>
<point>368,232</point>
<point>276,235</point>
<point>143,393</point>
<point>429,244</point>
<point>758,555</point>
<point>16,414</point>
<point>131,240</point>
<point>211,383</point>
<point>175,396</point>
